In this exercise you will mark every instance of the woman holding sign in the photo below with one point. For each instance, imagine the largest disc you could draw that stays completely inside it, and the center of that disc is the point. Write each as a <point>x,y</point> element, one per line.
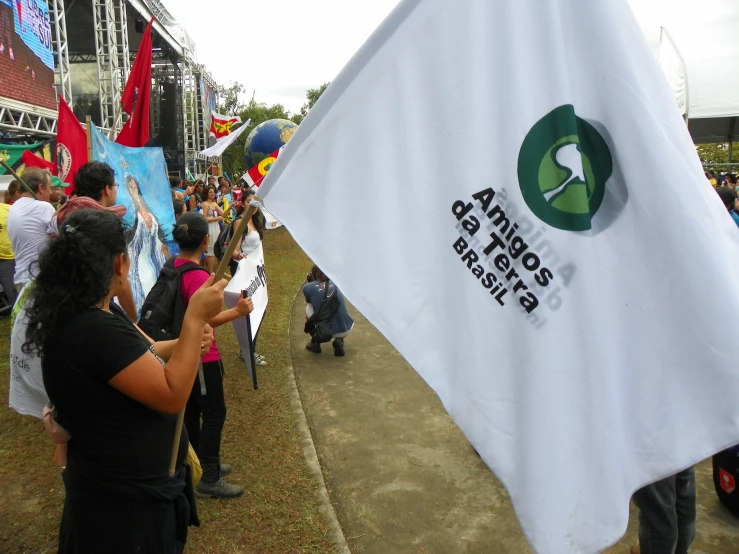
<point>115,392</point>
<point>206,401</point>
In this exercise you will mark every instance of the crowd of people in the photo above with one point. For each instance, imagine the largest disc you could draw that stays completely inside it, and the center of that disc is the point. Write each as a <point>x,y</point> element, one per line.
<point>114,392</point>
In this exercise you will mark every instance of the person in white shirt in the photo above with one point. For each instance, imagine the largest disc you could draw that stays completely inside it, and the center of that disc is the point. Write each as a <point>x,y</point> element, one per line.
<point>29,224</point>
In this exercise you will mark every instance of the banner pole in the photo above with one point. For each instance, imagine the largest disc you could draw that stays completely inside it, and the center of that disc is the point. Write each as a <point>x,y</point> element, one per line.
<point>18,178</point>
<point>220,272</point>
<point>88,131</point>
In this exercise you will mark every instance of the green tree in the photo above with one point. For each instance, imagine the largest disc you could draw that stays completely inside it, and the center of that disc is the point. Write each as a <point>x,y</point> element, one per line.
<point>711,154</point>
<point>312,96</point>
<point>229,103</point>
<point>258,112</point>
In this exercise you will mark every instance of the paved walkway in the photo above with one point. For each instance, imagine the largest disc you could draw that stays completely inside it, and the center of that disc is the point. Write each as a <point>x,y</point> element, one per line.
<point>400,474</point>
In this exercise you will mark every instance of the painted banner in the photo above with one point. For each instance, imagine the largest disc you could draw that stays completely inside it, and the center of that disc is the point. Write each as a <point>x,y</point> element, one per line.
<point>143,188</point>
<point>576,321</point>
<point>250,277</point>
<point>209,99</point>
<point>33,25</point>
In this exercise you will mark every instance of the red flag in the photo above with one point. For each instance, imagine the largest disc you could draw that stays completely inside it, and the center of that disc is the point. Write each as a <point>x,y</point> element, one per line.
<point>136,96</point>
<point>71,145</point>
<point>29,159</point>
<point>254,176</point>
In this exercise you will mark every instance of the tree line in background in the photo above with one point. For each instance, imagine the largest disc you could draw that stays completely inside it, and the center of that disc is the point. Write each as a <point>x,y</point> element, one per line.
<point>258,112</point>
<point>711,154</point>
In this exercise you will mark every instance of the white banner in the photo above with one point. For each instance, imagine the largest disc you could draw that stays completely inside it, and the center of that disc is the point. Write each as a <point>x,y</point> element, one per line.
<point>575,317</point>
<point>251,277</point>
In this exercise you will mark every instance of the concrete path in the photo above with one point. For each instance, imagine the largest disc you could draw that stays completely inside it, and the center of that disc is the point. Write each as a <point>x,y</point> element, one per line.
<point>401,475</point>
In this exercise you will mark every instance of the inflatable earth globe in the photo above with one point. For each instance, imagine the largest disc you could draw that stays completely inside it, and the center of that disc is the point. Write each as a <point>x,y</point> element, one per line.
<point>265,138</point>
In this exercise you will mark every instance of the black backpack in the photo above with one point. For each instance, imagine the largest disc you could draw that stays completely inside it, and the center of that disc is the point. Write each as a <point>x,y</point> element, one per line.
<point>726,478</point>
<point>164,310</point>
<point>225,236</point>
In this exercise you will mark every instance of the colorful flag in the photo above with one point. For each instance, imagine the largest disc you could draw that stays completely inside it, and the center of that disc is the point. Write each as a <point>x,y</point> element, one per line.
<point>12,154</point>
<point>136,96</point>
<point>71,145</point>
<point>220,125</point>
<point>576,321</point>
<point>220,146</point>
<point>254,176</point>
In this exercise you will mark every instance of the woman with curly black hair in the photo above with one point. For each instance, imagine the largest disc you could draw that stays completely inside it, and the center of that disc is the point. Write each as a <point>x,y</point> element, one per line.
<point>115,392</point>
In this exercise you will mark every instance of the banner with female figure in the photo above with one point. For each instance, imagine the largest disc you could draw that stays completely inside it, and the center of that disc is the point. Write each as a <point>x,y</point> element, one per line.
<point>143,188</point>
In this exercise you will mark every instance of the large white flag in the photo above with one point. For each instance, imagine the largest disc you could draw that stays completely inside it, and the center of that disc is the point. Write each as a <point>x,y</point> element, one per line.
<point>552,260</point>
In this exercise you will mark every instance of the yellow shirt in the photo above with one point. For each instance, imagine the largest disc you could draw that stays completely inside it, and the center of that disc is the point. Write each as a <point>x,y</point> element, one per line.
<point>6,251</point>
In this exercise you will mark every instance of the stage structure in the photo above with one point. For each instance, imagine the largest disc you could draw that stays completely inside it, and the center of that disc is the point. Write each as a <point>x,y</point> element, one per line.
<point>83,50</point>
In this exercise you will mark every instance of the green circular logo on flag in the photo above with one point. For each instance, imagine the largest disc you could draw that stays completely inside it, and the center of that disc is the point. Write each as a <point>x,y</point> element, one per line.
<point>563,168</point>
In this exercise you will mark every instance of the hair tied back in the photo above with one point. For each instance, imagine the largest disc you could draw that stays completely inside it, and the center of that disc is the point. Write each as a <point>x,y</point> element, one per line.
<point>70,229</point>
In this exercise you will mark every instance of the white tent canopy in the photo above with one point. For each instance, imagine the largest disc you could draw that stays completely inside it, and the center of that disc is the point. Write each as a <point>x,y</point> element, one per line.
<point>697,42</point>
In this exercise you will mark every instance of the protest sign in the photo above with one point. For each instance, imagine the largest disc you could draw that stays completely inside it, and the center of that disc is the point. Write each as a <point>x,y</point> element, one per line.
<point>250,277</point>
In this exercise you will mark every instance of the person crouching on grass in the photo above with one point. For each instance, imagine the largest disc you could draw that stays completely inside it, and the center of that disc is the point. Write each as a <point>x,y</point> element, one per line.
<point>207,400</point>
<point>116,392</point>
<point>340,322</point>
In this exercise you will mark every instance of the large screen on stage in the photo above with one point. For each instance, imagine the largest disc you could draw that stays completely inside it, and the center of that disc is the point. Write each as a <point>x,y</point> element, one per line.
<point>26,57</point>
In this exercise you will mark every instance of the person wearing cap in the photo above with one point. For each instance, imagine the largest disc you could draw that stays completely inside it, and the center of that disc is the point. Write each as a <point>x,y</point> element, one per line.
<point>30,223</point>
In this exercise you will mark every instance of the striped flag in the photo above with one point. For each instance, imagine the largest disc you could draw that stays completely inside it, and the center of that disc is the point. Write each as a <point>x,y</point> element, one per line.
<point>254,176</point>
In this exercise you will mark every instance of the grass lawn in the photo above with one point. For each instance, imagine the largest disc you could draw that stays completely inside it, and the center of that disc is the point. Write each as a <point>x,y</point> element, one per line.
<point>278,512</point>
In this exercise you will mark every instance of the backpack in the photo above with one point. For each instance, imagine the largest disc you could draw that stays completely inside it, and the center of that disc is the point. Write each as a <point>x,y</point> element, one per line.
<point>317,325</point>
<point>224,237</point>
<point>726,478</point>
<point>164,310</point>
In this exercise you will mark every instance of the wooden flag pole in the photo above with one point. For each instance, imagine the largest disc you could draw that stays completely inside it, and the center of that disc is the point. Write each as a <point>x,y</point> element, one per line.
<point>18,178</point>
<point>220,272</point>
<point>88,131</point>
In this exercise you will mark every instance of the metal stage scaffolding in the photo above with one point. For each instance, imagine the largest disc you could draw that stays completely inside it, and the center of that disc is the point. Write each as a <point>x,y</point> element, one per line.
<point>92,62</point>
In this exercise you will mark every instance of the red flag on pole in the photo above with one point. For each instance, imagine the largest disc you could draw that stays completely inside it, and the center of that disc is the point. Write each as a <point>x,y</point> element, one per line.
<point>136,96</point>
<point>71,145</point>
<point>29,159</point>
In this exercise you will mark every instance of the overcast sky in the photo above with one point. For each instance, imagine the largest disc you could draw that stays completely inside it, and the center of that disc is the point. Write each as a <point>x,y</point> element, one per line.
<point>279,48</point>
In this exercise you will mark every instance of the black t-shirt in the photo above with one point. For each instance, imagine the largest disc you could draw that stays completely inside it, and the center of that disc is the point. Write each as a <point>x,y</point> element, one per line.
<point>113,436</point>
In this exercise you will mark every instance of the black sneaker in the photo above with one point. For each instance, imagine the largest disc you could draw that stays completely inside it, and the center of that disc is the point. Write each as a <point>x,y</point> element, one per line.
<point>339,347</point>
<point>226,469</point>
<point>313,347</point>
<point>219,489</point>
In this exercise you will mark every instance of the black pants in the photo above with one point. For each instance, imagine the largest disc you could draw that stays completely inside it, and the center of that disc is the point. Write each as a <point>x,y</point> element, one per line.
<point>206,439</point>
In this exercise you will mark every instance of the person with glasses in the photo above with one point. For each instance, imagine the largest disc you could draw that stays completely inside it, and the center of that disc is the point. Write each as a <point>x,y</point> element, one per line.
<point>95,187</point>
